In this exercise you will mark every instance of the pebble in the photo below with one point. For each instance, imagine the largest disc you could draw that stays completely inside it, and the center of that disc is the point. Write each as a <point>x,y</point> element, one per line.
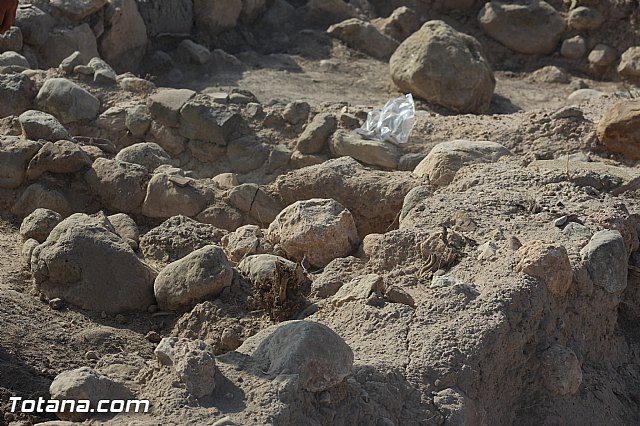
<point>561,221</point>
<point>56,304</point>
<point>153,337</point>
<point>487,251</point>
<point>92,355</point>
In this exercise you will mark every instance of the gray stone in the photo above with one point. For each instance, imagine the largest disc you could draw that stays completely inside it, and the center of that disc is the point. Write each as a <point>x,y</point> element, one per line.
<point>607,260</point>
<point>197,276</point>
<point>370,152</point>
<point>584,18</point>
<point>67,101</point>
<point>365,37</point>
<point>247,154</point>
<point>561,371</point>
<point>165,105</point>
<point>69,63</point>
<point>125,40</point>
<point>11,40</point>
<point>89,266</point>
<point>602,55</point>
<point>444,66</point>
<point>34,24</point>
<point>16,92</point>
<point>41,195</point>
<point>102,71</point>
<point>215,16</point>
<point>314,138</point>
<point>39,224</point>
<point>77,10</point>
<point>147,154</point>
<point>194,52</point>
<point>574,47</point>
<point>171,195</point>
<point>203,122</point>
<point>119,186</point>
<point>126,228</point>
<point>58,157</point>
<point>359,289</point>
<point>530,27</point>
<point>13,59</point>
<point>222,216</point>
<point>62,42</point>
<point>168,138</point>
<point>40,125</point>
<point>316,354</point>
<point>138,120</point>
<point>630,63</point>
<point>296,112</point>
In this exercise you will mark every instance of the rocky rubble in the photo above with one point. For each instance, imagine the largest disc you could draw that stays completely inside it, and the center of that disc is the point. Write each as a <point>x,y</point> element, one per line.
<point>249,259</point>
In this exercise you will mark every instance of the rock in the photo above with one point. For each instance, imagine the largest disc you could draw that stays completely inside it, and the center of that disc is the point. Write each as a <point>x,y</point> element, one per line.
<point>322,13</point>
<point>602,55</point>
<point>244,241</point>
<point>192,361</point>
<point>39,224</point>
<point>531,27</point>
<point>601,176</point>
<point>574,47</point>
<point>413,198</point>
<point>34,24</point>
<point>582,95</point>
<point>15,155</point>
<point>247,154</point>
<point>102,71</point>
<point>457,408</point>
<point>160,16</point>
<point>125,40</point>
<point>551,74</point>
<point>316,230</point>
<point>176,237</point>
<point>170,195</point>
<point>547,262</point>
<point>221,216</point>
<point>138,120</point>
<point>40,125</point>
<point>400,24</point>
<point>206,123</point>
<point>314,138</point>
<point>78,10</point>
<point>276,270</point>
<point>41,195</point>
<point>226,180</point>
<point>16,92</point>
<point>314,352</point>
<point>27,249</point>
<point>126,228</point>
<point>113,120</point>
<point>364,37</point>
<point>296,112</point>
<point>136,85</point>
<point>216,16</point>
<point>168,138</point>
<point>85,384</point>
<point>444,66</point>
<point>373,197</point>
<point>199,275</point>
<point>11,40</point>
<point>395,294</point>
<point>584,18</point>
<point>630,63</point>
<point>359,289</point>
<point>59,157</point>
<point>194,52</point>
<point>561,372</point>
<point>165,105</point>
<point>119,186</point>
<point>250,198</point>
<point>619,129</point>
<point>146,154</point>
<point>87,265</point>
<point>252,9</point>
<point>446,158</point>
<point>67,101</point>
<point>371,152</point>
<point>62,42</point>
<point>13,59</point>
<point>607,259</point>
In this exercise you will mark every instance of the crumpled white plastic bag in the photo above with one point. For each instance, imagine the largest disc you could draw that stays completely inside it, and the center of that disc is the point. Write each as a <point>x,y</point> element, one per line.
<point>393,123</point>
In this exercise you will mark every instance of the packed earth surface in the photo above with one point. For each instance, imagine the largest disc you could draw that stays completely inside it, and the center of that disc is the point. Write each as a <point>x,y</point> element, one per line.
<point>191,214</point>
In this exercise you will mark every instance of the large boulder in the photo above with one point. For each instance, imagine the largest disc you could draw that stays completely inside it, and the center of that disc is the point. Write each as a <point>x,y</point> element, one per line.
<point>40,125</point>
<point>62,42</point>
<point>169,17</point>
<point>201,274</point>
<point>446,158</point>
<point>531,27</point>
<point>87,265</point>
<point>119,186</point>
<point>16,92</point>
<point>124,41</point>
<point>619,129</point>
<point>444,66</point>
<point>67,101</point>
<point>315,230</point>
<point>316,354</point>
<point>15,154</point>
<point>34,24</point>
<point>365,37</point>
